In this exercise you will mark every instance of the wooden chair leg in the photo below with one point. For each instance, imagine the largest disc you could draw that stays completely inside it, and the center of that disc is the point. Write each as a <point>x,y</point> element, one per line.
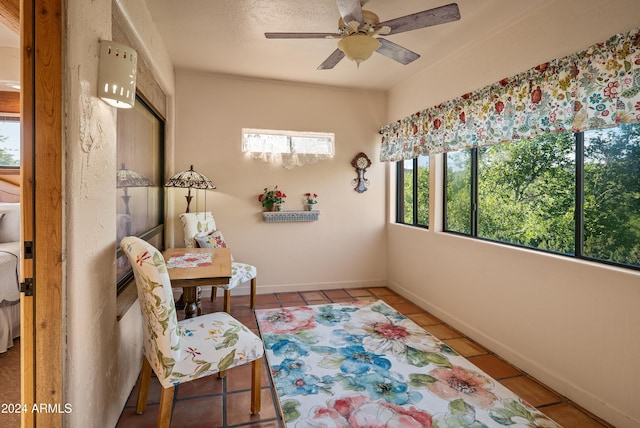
<point>214,293</point>
<point>256,374</point>
<point>253,292</point>
<point>166,406</point>
<point>227,301</point>
<point>143,391</point>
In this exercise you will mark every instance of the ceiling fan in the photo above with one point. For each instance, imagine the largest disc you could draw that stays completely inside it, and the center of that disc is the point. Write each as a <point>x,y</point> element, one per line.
<point>358,28</point>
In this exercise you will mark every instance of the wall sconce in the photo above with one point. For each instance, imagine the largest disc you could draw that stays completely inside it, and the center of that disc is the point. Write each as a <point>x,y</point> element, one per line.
<point>361,162</point>
<point>117,74</point>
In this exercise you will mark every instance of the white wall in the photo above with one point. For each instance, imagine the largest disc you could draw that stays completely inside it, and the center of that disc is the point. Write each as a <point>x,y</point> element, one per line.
<point>571,324</point>
<point>346,247</point>
<point>9,65</point>
<point>102,355</point>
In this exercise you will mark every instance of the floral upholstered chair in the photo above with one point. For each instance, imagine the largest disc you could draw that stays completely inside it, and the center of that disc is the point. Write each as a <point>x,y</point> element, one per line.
<point>182,351</point>
<point>200,231</point>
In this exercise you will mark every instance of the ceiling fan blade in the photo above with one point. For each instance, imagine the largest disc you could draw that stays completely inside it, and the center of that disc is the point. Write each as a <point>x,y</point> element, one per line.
<point>333,59</point>
<point>396,52</point>
<point>301,35</point>
<point>350,10</point>
<point>426,18</point>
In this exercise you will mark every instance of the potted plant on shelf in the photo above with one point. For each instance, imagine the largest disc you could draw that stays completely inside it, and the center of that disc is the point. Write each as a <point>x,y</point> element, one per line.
<point>311,199</point>
<point>272,199</point>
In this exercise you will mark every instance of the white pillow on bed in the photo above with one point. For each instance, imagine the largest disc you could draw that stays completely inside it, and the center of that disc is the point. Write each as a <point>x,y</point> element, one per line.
<point>9,222</point>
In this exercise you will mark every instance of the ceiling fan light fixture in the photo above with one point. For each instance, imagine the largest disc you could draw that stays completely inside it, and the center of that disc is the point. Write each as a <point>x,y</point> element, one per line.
<point>358,47</point>
<point>358,28</point>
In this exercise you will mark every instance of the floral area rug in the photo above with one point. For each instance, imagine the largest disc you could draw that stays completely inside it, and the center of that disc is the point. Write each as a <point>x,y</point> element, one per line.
<point>367,365</point>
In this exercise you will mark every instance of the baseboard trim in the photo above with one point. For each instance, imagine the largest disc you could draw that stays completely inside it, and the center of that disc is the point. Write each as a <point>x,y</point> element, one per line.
<point>289,288</point>
<point>245,289</point>
<point>564,387</point>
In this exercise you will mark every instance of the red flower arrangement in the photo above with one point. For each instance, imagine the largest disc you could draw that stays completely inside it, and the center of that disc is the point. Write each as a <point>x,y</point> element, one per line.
<point>312,198</point>
<point>271,197</point>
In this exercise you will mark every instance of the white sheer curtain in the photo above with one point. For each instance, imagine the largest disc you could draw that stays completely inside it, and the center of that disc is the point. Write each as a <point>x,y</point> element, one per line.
<point>288,148</point>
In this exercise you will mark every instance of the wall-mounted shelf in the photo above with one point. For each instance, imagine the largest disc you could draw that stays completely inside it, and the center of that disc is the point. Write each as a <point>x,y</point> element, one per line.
<point>289,216</point>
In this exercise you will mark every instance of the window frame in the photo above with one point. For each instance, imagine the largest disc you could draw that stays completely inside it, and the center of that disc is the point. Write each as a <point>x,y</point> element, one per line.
<point>400,194</point>
<point>579,222</point>
<point>154,234</point>
<point>11,118</point>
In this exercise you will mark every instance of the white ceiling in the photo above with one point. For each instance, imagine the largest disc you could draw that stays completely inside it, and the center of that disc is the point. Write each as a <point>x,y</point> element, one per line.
<point>227,36</point>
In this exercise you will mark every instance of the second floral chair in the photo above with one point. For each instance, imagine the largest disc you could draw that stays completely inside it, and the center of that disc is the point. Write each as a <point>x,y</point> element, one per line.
<point>200,231</point>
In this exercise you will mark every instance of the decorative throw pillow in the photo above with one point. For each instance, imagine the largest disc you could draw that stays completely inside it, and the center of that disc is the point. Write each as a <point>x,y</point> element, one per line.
<point>195,224</point>
<point>212,240</point>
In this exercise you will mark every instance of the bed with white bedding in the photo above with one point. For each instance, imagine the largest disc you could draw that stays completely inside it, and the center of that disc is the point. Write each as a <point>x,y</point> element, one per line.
<point>9,294</point>
<point>9,274</point>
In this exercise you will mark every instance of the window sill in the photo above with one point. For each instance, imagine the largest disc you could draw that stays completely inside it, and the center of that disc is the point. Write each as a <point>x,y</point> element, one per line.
<point>290,216</point>
<point>126,299</point>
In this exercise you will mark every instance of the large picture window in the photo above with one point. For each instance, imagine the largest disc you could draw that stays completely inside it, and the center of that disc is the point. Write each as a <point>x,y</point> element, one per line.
<point>413,191</point>
<point>139,180</point>
<point>572,194</point>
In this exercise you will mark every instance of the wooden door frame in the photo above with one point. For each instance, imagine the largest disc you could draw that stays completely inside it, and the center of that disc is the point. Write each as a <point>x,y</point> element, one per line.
<point>42,209</point>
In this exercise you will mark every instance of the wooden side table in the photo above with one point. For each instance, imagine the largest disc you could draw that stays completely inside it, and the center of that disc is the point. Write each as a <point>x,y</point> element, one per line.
<point>190,278</point>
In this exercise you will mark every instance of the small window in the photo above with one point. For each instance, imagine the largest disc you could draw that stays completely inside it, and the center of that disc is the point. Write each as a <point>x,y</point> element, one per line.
<point>270,143</point>
<point>288,148</point>
<point>458,191</point>
<point>9,142</point>
<point>413,191</point>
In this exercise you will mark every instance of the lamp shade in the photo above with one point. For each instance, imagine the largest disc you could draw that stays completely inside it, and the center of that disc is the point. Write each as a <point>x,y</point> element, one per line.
<point>189,179</point>
<point>117,74</point>
<point>129,178</point>
<point>358,47</point>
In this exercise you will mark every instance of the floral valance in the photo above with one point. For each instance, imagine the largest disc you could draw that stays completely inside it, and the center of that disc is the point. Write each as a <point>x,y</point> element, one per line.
<point>593,89</point>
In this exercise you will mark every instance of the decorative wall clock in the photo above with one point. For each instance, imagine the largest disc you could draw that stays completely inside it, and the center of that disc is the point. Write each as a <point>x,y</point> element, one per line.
<point>361,162</point>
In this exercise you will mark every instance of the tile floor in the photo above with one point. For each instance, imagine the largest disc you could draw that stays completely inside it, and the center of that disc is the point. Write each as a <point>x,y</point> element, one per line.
<point>214,402</point>
<point>10,381</point>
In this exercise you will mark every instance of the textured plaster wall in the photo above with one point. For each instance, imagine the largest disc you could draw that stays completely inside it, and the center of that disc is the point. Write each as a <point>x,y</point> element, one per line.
<point>571,324</point>
<point>103,355</point>
<point>347,246</point>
